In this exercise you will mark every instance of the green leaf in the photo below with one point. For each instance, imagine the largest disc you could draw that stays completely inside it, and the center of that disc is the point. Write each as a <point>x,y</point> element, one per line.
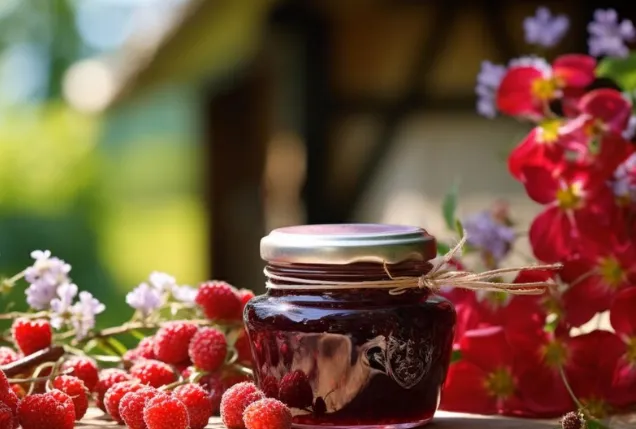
<point>442,248</point>
<point>456,356</point>
<point>138,334</point>
<point>620,70</point>
<point>595,424</point>
<point>459,227</point>
<point>449,206</point>
<point>116,345</point>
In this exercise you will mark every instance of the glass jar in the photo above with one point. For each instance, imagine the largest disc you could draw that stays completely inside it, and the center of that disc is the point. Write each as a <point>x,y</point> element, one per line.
<point>350,357</point>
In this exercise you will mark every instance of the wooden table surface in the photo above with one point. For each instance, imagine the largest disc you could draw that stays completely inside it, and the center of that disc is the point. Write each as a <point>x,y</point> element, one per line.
<point>95,419</point>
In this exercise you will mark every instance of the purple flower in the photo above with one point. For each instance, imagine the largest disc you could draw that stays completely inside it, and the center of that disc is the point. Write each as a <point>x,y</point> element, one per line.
<point>488,235</point>
<point>624,184</point>
<point>608,36</point>
<point>84,312</point>
<point>144,298</point>
<point>44,276</point>
<point>185,294</point>
<point>545,29</point>
<point>630,130</point>
<point>488,81</point>
<point>61,306</point>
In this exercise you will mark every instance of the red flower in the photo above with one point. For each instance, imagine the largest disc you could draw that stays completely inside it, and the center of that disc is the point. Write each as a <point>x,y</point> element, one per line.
<point>526,89</point>
<point>574,201</point>
<point>591,368</point>
<point>542,147</point>
<point>623,318</point>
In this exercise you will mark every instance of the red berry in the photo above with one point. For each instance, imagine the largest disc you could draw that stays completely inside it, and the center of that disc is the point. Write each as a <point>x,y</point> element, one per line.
<point>8,396</point>
<point>113,396</point>
<point>242,346</point>
<point>8,355</point>
<point>234,377</point>
<point>172,341</point>
<point>166,412</point>
<point>234,402</point>
<point>269,386</point>
<point>31,335</point>
<point>75,389</point>
<point>295,390</point>
<point>83,368</point>
<point>7,420</point>
<point>144,350</point>
<point>52,410</point>
<point>18,390</point>
<point>107,379</point>
<point>197,402</point>
<point>153,373</point>
<point>245,295</point>
<point>4,382</point>
<point>208,349</point>
<point>219,300</point>
<point>266,414</point>
<point>132,404</point>
<point>212,384</point>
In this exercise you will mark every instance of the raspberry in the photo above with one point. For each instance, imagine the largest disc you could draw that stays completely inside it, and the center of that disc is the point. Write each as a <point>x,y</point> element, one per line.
<point>144,350</point>
<point>573,420</point>
<point>234,402</point>
<point>83,368</point>
<point>52,410</point>
<point>242,346</point>
<point>208,349</point>
<point>153,373</point>
<point>107,379</point>
<point>31,335</point>
<point>197,402</point>
<point>115,393</point>
<point>7,420</point>
<point>245,295</point>
<point>269,386</point>
<point>212,384</point>
<point>166,412</point>
<point>75,389</point>
<point>4,382</point>
<point>267,413</point>
<point>295,390</point>
<point>131,406</point>
<point>172,341</point>
<point>8,355</point>
<point>232,378</point>
<point>18,390</point>
<point>219,300</point>
<point>8,397</point>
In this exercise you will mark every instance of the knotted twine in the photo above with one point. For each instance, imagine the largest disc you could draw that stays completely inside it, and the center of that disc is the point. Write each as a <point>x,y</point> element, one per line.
<point>439,276</point>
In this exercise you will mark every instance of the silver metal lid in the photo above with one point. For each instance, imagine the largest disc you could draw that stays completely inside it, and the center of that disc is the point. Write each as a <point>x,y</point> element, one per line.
<point>348,243</point>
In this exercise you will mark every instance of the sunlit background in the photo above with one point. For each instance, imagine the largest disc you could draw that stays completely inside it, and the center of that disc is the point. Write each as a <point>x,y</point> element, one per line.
<point>140,135</point>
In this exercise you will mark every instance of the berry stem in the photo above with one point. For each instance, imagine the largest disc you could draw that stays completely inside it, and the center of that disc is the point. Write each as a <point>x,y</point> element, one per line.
<point>17,314</point>
<point>569,388</point>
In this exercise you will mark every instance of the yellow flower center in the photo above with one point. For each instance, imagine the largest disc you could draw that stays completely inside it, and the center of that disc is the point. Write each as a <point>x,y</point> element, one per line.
<point>545,89</point>
<point>500,383</point>
<point>549,130</point>
<point>611,271</point>
<point>555,354</point>
<point>570,197</point>
<point>596,407</point>
<point>631,350</point>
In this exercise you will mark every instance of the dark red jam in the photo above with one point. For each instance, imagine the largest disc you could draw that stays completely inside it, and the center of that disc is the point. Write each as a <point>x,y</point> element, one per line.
<point>352,357</point>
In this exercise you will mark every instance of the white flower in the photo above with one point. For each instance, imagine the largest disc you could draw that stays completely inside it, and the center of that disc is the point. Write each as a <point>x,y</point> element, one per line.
<point>532,61</point>
<point>630,130</point>
<point>186,294</point>
<point>45,276</point>
<point>83,314</point>
<point>162,281</point>
<point>61,306</point>
<point>144,298</point>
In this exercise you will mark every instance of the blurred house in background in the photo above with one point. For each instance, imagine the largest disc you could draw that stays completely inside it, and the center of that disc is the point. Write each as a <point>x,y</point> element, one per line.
<point>198,125</point>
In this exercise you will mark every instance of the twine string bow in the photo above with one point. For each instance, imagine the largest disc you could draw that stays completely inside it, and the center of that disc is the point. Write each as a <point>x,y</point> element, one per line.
<point>439,276</point>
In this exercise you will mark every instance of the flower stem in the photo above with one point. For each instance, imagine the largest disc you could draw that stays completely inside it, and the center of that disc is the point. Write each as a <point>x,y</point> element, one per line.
<point>16,314</point>
<point>51,354</point>
<point>569,388</point>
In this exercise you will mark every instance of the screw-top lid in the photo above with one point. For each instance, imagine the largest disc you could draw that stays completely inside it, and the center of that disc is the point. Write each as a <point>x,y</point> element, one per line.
<point>340,244</point>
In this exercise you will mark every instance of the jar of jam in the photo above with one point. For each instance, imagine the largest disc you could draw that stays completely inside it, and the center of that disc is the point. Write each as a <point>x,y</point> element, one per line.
<point>340,352</point>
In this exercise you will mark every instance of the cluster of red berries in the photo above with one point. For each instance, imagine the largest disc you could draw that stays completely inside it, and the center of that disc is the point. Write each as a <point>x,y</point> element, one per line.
<point>138,396</point>
<point>244,406</point>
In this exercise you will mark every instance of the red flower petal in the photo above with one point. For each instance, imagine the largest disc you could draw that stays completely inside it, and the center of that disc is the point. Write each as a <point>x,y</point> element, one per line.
<point>623,312</point>
<point>514,96</point>
<point>487,348</point>
<point>465,390</point>
<point>586,296</point>
<point>540,184</point>
<point>533,152</point>
<point>624,384</point>
<point>467,319</point>
<point>543,392</point>
<point>552,235</point>
<point>576,70</point>
<point>609,106</point>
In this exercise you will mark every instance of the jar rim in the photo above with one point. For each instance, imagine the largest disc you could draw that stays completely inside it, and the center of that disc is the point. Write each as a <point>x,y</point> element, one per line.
<point>340,244</point>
